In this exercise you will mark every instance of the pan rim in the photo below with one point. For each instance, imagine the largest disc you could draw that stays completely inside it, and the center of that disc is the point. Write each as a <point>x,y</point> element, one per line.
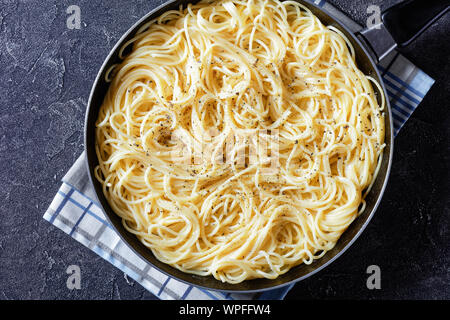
<point>90,163</point>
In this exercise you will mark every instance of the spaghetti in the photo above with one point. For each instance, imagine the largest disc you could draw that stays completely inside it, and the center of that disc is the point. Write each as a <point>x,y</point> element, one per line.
<point>238,138</point>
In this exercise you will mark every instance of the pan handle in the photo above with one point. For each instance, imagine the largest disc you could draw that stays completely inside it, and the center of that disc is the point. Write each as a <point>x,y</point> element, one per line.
<point>401,24</point>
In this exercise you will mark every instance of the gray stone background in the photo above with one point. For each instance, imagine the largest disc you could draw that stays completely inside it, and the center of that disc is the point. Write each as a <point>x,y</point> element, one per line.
<point>46,72</point>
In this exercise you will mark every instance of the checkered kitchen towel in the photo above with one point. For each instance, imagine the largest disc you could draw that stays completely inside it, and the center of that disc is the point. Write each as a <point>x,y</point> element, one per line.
<point>75,210</point>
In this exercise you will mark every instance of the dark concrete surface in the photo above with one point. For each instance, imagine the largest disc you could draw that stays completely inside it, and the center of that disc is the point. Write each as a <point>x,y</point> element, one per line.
<point>46,71</point>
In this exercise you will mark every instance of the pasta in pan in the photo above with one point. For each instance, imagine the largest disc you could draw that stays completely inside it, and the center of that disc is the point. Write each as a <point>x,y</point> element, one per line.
<point>238,138</point>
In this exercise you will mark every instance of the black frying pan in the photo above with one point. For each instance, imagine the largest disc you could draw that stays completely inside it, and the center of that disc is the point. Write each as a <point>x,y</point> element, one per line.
<point>401,24</point>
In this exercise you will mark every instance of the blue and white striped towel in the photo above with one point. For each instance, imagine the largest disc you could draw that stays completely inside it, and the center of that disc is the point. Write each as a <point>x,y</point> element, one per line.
<point>75,211</point>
